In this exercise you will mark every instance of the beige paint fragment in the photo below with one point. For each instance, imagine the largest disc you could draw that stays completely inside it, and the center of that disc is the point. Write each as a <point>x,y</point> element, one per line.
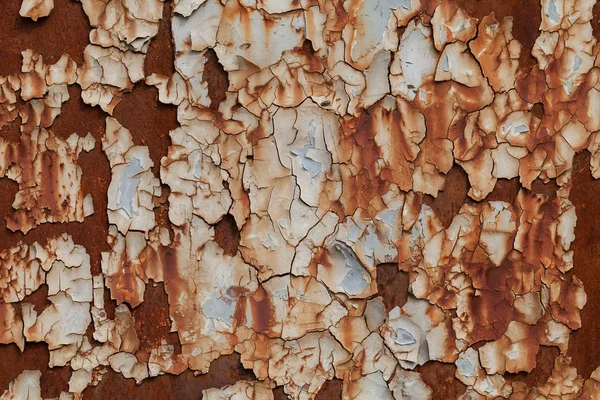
<point>8,98</point>
<point>61,325</point>
<point>196,23</point>
<point>122,267</point>
<point>241,25</point>
<point>591,388</point>
<point>128,366</point>
<point>497,52</point>
<point>186,7</point>
<point>451,24</point>
<point>118,338</point>
<point>323,151</point>
<point>124,24</point>
<point>11,326</point>
<point>64,323</point>
<point>133,187</point>
<point>33,75</point>
<point>49,178</point>
<point>21,273</point>
<point>513,352</point>
<point>207,329</point>
<point>563,383</point>
<point>378,373</point>
<point>373,28</point>
<point>164,361</point>
<point>170,90</point>
<point>80,379</point>
<point>458,65</point>
<point>302,366</point>
<point>417,333</point>
<point>415,62</point>
<point>43,88</point>
<point>470,373</point>
<point>106,73</point>
<point>194,176</point>
<point>25,387</point>
<point>242,390</point>
<point>35,9</point>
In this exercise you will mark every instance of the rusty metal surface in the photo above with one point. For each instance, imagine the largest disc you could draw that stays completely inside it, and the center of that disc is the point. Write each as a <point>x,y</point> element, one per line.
<point>306,199</point>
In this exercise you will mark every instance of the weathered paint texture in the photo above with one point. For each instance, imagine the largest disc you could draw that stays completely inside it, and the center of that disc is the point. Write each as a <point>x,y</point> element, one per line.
<point>304,199</point>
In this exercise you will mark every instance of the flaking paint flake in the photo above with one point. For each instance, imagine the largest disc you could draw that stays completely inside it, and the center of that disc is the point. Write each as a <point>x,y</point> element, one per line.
<point>337,128</point>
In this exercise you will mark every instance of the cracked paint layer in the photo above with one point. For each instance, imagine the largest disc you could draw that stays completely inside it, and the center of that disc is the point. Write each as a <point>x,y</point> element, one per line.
<point>328,149</point>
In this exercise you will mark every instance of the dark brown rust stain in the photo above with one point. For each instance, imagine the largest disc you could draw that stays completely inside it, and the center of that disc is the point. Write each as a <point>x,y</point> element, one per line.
<point>36,356</point>
<point>358,190</point>
<point>49,199</point>
<point>152,322</point>
<point>9,190</point>
<point>226,370</point>
<point>39,299</point>
<point>227,235</point>
<point>584,348</point>
<point>95,177</point>
<point>279,394</point>
<point>542,371</point>
<point>548,189</point>
<point>11,131</point>
<point>161,210</point>
<point>168,257</point>
<point>109,304</point>
<point>331,390</point>
<point>527,17</point>
<point>531,85</point>
<point>596,20</point>
<point>505,190</point>
<point>216,78</point>
<point>538,110</point>
<point>262,310</point>
<point>453,196</point>
<point>238,294</point>
<point>66,30</point>
<point>123,285</point>
<point>79,118</point>
<point>440,378</point>
<point>392,285</point>
<point>491,312</point>
<point>161,57</point>
<point>148,120</point>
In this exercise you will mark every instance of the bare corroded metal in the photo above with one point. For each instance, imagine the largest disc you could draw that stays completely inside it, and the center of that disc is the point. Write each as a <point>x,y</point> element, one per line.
<point>260,226</point>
